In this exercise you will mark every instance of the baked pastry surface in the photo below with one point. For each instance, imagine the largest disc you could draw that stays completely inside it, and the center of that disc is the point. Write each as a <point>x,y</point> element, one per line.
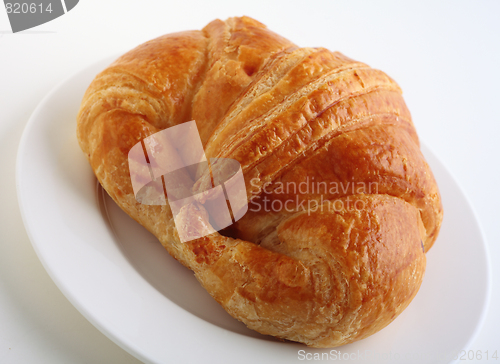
<point>324,271</point>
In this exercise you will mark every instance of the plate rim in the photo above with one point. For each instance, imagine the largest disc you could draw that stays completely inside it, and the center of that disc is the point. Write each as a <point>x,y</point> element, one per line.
<point>426,150</point>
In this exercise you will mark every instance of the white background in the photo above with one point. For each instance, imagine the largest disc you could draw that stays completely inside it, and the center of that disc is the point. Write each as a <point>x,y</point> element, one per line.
<point>445,56</point>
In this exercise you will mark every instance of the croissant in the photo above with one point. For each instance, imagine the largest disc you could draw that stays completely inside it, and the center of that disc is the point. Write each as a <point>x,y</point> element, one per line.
<point>335,263</point>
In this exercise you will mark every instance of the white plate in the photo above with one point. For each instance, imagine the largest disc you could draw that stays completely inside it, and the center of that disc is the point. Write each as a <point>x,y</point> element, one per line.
<point>121,279</point>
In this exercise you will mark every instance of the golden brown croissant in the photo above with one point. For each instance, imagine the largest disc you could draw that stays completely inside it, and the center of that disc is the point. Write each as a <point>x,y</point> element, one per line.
<point>335,263</point>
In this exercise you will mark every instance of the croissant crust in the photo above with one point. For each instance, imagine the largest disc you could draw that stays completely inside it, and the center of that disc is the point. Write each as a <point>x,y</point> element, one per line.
<point>310,273</point>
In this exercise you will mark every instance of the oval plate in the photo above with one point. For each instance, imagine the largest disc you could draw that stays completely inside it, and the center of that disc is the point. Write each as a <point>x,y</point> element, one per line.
<point>121,279</point>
